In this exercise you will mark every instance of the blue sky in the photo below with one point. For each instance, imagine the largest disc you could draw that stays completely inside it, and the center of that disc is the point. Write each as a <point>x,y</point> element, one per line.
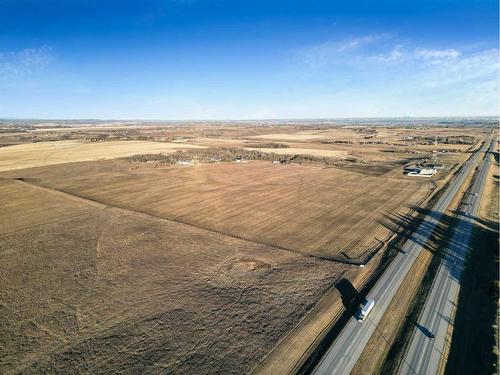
<point>239,59</point>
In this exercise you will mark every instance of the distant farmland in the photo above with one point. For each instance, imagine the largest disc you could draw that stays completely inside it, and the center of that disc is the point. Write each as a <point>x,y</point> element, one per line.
<point>310,210</point>
<point>48,153</point>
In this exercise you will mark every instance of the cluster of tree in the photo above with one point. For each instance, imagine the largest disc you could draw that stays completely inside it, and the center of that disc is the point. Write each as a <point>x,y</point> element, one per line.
<point>451,140</point>
<point>227,154</point>
<point>364,130</point>
<point>268,145</point>
<point>13,130</point>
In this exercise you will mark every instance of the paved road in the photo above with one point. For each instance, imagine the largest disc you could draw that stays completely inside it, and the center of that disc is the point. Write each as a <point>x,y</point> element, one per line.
<point>346,349</point>
<point>423,355</point>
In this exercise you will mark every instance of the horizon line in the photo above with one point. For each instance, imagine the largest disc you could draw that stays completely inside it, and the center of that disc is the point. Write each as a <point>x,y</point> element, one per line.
<point>400,118</point>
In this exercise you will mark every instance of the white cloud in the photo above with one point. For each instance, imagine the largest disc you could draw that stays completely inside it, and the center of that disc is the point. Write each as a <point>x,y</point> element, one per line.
<point>411,79</point>
<point>24,62</point>
<point>431,54</point>
<point>395,55</point>
<point>356,50</point>
<point>328,52</point>
<point>450,63</point>
<point>354,43</point>
<point>478,66</point>
<point>457,83</point>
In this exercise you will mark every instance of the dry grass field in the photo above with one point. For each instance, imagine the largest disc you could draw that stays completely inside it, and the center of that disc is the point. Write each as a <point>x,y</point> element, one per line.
<point>92,289</point>
<point>114,266</point>
<point>307,209</point>
<point>48,153</point>
<point>19,211</point>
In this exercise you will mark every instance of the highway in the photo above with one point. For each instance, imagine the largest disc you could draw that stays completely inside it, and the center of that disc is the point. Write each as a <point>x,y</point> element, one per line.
<point>346,349</point>
<point>423,355</point>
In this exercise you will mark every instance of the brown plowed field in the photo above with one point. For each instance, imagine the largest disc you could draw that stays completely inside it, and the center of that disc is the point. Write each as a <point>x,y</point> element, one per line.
<point>307,209</point>
<point>88,289</point>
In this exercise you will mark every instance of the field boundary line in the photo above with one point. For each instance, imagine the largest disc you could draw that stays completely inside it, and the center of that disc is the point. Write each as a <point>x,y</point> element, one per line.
<point>53,222</point>
<point>96,201</point>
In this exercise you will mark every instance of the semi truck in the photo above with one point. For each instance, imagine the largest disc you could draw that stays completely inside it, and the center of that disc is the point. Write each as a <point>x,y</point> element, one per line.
<point>364,309</point>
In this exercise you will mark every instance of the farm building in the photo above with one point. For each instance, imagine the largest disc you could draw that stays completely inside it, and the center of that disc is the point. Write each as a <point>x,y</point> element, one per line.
<point>420,171</point>
<point>185,162</point>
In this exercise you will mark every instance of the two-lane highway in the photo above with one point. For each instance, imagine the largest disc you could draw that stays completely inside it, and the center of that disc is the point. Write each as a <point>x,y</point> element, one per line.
<point>346,349</point>
<point>425,352</point>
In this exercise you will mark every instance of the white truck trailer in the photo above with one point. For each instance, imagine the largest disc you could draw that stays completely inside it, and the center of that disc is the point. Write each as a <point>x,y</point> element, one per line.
<point>364,310</point>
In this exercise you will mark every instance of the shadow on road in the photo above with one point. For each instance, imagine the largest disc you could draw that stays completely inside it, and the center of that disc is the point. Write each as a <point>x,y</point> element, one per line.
<point>424,330</point>
<point>403,225</point>
<point>476,266</point>
<point>473,340</point>
<point>455,252</point>
<point>446,251</point>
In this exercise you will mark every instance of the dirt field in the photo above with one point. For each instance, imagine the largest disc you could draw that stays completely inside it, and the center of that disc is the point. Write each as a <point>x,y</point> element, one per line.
<point>310,210</point>
<point>47,153</point>
<point>98,289</point>
<point>22,213</point>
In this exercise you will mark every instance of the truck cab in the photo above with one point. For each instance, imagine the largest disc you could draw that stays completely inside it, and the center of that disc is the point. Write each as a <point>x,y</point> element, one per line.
<point>364,309</point>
